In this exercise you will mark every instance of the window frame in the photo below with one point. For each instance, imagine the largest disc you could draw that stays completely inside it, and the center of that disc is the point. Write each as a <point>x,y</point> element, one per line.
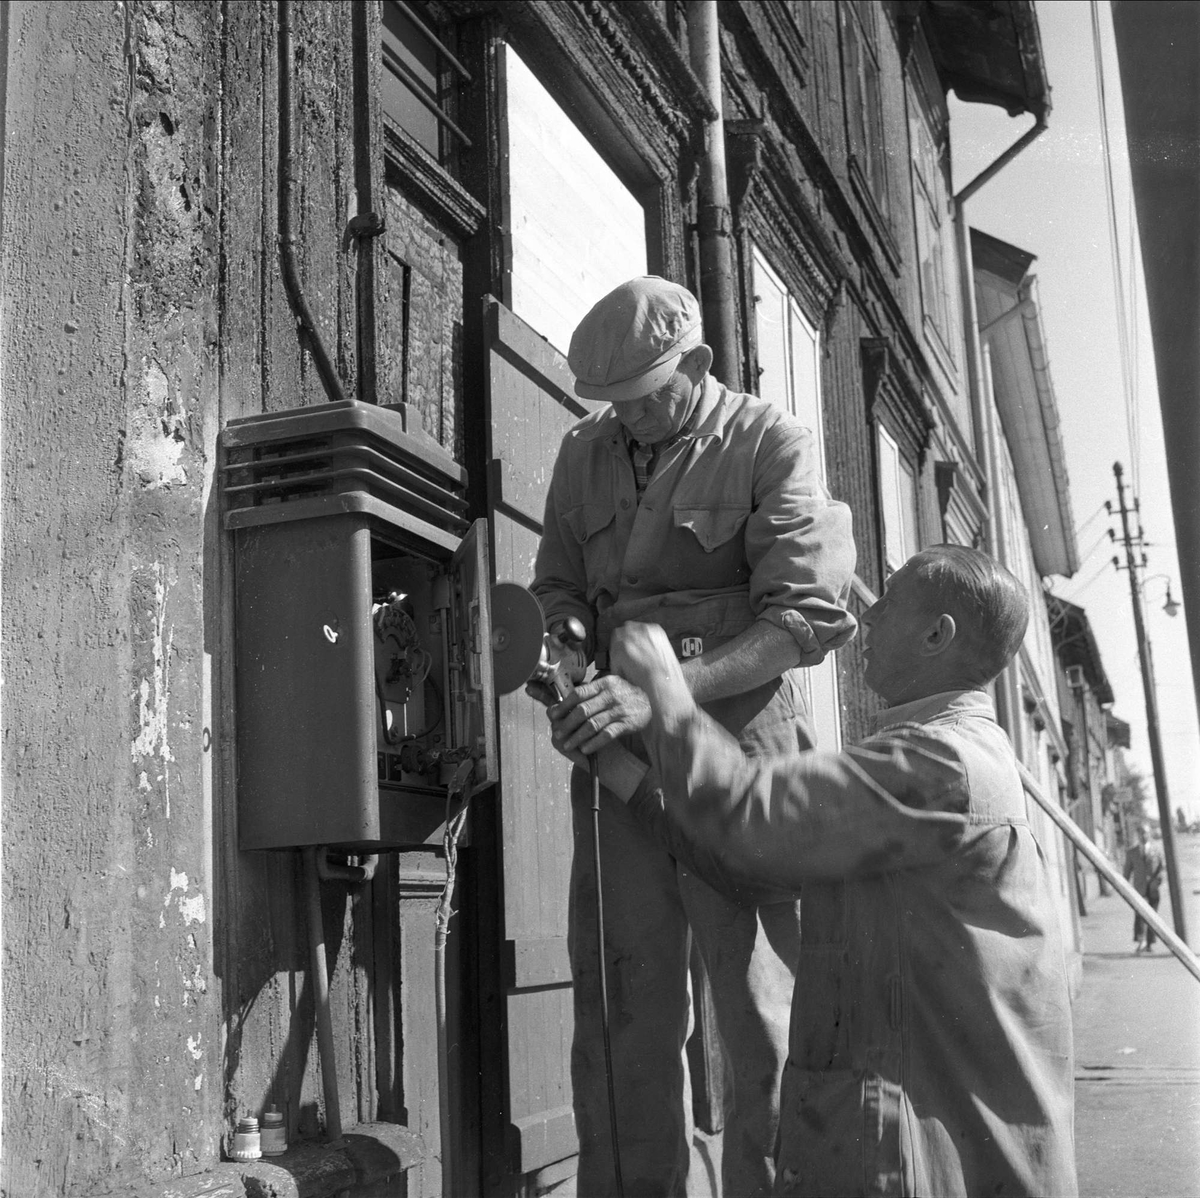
<point>933,225</point>
<point>448,72</point>
<point>863,116</point>
<point>906,504</point>
<point>823,680</point>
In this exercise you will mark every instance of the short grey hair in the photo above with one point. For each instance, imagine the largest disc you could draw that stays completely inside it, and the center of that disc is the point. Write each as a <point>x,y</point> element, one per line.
<point>988,603</point>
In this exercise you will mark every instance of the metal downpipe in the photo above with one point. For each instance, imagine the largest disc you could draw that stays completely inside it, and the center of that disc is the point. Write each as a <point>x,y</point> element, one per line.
<point>718,291</point>
<point>285,189</point>
<point>980,395</point>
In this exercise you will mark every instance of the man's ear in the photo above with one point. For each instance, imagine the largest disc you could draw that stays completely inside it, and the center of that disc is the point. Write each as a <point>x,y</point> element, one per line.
<point>939,636</point>
<point>696,363</point>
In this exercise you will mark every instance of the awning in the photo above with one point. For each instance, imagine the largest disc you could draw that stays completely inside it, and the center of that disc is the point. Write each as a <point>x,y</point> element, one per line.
<point>1075,644</point>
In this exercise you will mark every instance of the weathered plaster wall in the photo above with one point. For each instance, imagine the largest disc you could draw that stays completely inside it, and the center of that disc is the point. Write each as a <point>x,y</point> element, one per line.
<point>112,1053</point>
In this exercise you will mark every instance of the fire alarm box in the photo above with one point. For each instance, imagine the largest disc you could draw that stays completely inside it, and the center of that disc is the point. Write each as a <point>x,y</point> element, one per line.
<point>363,641</point>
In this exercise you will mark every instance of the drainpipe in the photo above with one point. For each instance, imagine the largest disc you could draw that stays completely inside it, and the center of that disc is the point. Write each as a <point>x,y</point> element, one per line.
<point>286,185</point>
<point>962,234</point>
<point>1008,688</point>
<point>717,288</point>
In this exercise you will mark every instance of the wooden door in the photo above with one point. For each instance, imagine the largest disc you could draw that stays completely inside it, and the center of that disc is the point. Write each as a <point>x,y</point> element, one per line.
<point>530,409</point>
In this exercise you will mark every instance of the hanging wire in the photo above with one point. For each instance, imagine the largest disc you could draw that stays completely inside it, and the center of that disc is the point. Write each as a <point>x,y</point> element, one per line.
<point>1082,528</point>
<point>1135,272</point>
<point>1099,541</point>
<point>1132,428</point>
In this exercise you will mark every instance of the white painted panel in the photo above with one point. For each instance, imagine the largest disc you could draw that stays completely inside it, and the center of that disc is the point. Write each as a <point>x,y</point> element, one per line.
<point>574,230</point>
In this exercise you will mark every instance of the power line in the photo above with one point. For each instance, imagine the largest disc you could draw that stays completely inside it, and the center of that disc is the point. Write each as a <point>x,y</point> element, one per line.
<point>1132,426</point>
<point>1075,595</point>
<point>1082,527</point>
<point>1106,535</point>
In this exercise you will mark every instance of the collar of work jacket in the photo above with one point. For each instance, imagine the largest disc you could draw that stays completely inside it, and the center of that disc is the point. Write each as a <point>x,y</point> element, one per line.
<point>707,419</point>
<point>920,711</point>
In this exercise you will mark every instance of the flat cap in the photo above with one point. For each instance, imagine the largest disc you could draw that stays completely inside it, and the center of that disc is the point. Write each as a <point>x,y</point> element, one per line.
<point>631,341</point>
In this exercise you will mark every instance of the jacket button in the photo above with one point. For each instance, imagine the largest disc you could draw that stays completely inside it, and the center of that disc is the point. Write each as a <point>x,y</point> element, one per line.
<point>625,503</point>
<point>631,579</point>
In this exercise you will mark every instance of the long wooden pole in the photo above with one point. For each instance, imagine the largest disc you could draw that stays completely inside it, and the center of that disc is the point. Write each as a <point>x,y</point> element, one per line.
<point>1071,830</point>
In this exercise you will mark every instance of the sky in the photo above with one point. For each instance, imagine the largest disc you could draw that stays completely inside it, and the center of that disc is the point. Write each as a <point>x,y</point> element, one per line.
<point>1051,201</point>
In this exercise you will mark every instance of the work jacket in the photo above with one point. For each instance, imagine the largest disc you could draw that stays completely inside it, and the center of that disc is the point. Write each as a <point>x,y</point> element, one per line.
<point>930,1050</point>
<point>735,526</point>
<point>1144,867</point>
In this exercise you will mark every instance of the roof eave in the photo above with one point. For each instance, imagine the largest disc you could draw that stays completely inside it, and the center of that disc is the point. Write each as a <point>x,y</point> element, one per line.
<point>1051,428</point>
<point>988,58</point>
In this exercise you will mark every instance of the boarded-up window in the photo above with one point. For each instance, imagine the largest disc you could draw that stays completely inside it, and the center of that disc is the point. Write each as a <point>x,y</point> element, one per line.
<point>789,365</point>
<point>573,229</point>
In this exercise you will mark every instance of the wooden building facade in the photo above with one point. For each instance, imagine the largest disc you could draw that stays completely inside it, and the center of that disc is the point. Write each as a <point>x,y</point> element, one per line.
<point>466,178</point>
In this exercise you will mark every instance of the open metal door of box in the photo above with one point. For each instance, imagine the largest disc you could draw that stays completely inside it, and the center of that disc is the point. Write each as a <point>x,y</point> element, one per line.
<point>472,682</point>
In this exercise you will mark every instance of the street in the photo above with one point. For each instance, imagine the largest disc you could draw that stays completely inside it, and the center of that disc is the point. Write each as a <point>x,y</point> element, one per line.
<point>1137,1053</point>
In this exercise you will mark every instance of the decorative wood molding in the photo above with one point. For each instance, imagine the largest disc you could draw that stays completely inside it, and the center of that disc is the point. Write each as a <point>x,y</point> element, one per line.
<point>880,224</point>
<point>770,208</point>
<point>958,503</point>
<point>744,157</point>
<point>779,41</point>
<point>888,390</point>
<point>414,172</point>
<point>612,33</point>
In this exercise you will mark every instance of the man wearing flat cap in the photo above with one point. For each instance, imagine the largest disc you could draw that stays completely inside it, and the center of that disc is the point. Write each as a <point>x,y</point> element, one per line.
<point>691,506</point>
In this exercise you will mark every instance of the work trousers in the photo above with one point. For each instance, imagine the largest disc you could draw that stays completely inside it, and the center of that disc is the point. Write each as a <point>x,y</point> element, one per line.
<point>1141,929</point>
<point>750,953</point>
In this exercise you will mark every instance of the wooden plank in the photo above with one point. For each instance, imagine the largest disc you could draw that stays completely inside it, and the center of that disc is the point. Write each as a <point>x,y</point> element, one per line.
<point>535,963</point>
<point>529,416</point>
<point>545,1138</point>
<point>534,356</point>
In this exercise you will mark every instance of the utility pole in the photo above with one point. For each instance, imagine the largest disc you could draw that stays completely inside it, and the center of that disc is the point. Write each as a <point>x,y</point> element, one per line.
<point>1156,755</point>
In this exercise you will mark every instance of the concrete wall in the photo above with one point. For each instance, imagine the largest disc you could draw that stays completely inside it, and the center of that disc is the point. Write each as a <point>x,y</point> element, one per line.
<point>112,1031</point>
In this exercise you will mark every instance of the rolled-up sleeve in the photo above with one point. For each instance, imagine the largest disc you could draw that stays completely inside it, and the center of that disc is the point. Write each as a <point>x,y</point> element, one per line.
<point>762,826</point>
<point>800,546</point>
<point>560,577</point>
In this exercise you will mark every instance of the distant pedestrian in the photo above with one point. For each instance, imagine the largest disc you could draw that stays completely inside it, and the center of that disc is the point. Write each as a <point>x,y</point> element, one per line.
<point>1144,869</point>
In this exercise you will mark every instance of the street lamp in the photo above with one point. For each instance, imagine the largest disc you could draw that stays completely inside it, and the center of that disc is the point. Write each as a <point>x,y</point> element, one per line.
<point>1171,607</point>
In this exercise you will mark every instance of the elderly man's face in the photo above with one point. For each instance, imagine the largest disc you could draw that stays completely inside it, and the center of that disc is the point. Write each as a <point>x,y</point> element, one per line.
<point>892,629</point>
<point>659,415</point>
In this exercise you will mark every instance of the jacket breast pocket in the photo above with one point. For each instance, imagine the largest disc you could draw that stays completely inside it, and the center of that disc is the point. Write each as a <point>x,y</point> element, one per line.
<point>591,525</point>
<point>712,526</point>
<point>839,1134</point>
<point>711,549</point>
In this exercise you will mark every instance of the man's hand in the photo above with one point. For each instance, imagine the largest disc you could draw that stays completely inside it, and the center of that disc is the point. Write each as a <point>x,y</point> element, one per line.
<point>596,714</point>
<point>642,654</point>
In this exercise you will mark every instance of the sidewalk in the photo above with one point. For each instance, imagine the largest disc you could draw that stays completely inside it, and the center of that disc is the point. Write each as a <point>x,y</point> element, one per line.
<point>1137,1054</point>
